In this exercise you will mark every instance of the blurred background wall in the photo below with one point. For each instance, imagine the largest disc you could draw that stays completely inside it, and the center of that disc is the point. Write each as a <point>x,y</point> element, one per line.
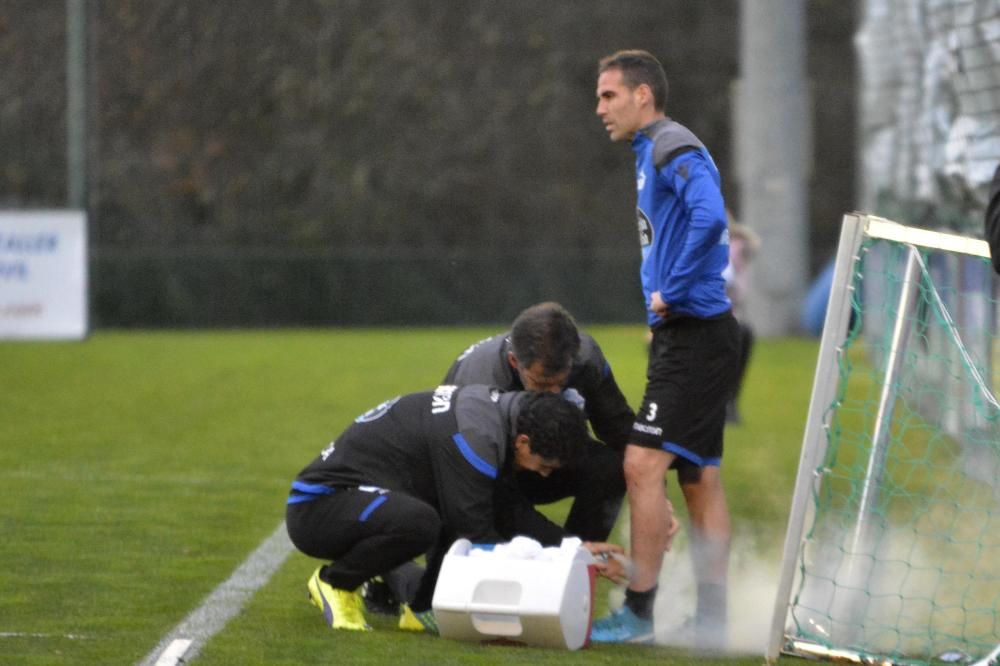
<point>367,162</point>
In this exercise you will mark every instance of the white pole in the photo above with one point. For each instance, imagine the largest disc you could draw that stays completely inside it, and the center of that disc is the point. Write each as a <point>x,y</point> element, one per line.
<point>773,158</point>
<point>814,439</point>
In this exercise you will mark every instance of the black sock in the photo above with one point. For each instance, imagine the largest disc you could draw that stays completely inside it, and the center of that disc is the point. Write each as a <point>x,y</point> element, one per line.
<point>641,603</point>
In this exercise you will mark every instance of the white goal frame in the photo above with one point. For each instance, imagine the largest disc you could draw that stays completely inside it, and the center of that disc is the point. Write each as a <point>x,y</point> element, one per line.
<point>856,228</point>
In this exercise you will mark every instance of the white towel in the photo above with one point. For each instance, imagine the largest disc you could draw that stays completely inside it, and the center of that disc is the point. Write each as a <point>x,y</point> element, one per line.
<point>525,548</point>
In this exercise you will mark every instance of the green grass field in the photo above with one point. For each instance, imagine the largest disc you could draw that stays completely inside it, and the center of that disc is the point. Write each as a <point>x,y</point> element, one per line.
<point>139,469</point>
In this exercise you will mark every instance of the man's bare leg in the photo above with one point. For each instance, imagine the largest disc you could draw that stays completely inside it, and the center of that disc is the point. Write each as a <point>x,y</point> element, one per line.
<point>653,526</point>
<point>650,513</point>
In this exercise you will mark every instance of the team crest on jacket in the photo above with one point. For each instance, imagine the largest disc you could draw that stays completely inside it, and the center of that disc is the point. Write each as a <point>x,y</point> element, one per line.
<point>378,411</point>
<point>645,228</point>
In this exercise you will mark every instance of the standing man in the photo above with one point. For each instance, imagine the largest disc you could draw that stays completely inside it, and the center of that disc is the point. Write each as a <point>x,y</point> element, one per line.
<point>692,355</point>
<point>409,477</point>
<point>743,246</point>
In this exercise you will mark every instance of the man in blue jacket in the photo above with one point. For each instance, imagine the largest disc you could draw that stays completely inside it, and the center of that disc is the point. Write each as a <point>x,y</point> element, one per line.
<point>693,354</point>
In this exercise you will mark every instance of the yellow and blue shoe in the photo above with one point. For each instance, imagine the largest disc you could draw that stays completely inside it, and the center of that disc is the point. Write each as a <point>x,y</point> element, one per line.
<point>622,626</point>
<point>410,620</point>
<point>341,608</point>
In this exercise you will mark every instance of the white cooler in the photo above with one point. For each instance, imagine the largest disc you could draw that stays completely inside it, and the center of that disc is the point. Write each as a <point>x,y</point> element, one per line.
<point>541,602</point>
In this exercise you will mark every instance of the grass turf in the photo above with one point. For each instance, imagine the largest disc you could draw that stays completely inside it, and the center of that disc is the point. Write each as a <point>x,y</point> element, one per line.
<point>141,468</point>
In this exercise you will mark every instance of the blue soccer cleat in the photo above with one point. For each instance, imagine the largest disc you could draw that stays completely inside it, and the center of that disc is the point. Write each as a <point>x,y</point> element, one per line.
<point>622,626</point>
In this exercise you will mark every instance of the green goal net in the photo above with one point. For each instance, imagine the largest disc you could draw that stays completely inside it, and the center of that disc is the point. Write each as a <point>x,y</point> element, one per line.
<point>892,554</point>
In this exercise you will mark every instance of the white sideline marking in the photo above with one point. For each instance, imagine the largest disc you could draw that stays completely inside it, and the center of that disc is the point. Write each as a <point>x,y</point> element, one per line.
<point>174,653</point>
<point>226,600</point>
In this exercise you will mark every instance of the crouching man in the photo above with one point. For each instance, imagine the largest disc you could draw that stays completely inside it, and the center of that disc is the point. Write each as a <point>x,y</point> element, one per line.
<point>409,477</point>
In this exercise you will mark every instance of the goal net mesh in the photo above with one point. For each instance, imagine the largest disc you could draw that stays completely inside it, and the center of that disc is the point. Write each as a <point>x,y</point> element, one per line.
<point>899,555</point>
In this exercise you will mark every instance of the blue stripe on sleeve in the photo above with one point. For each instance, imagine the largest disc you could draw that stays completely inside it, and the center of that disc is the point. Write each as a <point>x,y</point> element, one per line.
<point>307,492</point>
<point>299,499</point>
<point>474,460</point>
<point>375,503</point>
<point>312,488</point>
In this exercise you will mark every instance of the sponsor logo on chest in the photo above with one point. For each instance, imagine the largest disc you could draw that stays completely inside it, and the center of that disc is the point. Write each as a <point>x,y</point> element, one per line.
<point>441,400</point>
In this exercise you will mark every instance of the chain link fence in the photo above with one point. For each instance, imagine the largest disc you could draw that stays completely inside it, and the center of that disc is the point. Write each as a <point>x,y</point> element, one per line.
<point>929,110</point>
<point>372,162</point>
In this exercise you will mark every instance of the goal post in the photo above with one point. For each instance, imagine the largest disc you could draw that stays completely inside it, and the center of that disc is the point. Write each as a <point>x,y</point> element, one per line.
<point>892,551</point>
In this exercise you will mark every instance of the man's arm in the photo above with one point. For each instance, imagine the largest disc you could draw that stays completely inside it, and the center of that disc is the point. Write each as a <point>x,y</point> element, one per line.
<point>692,179</point>
<point>607,409</point>
<point>992,220</point>
<point>516,515</point>
<point>465,474</point>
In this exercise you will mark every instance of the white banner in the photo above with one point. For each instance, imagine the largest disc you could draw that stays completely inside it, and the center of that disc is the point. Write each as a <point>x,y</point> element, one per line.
<point>43,274</point>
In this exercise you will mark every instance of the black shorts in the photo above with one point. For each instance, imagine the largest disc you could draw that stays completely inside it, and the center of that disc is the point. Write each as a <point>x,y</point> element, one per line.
<point>688,380</point>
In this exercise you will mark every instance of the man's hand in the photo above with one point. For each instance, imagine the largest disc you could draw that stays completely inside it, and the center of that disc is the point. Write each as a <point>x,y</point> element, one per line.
<point>611,561</point>
<point>673,526</point>
<point>656,304</point>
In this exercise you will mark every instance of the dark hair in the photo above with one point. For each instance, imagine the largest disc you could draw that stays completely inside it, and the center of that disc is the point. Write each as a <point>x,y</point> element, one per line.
<point>545,333</point>
<point>557,427</point>
<point>638,67</point>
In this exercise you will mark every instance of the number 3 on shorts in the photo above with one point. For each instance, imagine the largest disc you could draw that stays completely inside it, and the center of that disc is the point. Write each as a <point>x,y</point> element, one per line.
<point>652,411</point>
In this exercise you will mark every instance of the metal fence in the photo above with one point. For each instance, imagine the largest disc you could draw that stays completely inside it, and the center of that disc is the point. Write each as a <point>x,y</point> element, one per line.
<point>929,132</point>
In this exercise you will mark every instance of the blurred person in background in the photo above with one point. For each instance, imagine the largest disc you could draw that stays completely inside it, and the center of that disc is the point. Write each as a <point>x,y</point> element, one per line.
<point>743,246</point>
